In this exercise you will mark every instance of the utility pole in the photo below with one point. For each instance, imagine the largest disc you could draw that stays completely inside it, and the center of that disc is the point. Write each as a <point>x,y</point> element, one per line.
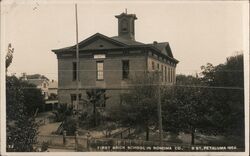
<point>159,106</point>
<point>77,70</point>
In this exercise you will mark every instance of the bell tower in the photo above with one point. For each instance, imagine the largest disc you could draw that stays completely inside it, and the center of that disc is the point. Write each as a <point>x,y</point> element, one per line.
<point>126,25</point>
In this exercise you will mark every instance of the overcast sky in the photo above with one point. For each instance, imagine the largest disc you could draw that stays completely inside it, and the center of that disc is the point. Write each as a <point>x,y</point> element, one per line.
<point>198,32</point>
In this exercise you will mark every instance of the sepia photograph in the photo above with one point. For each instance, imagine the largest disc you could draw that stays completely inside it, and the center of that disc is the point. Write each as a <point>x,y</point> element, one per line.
<point>125,76</point>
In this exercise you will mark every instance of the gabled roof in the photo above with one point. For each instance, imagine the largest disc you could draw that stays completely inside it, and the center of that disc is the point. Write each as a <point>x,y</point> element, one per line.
<point>89,40</point>
<point>162,47</point>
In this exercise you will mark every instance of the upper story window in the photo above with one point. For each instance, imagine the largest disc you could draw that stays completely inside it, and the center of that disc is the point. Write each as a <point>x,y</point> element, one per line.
<point>165,76</point>
<point>125,69</point>
<point>99,70</point>
<point>153,65</point>
<point>74,74</point>
<point>162,73</point>
<point>158,66</point>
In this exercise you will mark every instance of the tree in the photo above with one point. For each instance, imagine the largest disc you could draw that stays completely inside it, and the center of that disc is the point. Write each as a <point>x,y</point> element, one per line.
<point>21,126</point>
<point>9,56</point>
<point>97,98</point>
<point>227,101</point>
<point>32,96</point>
<point>139,106</point>
<point>62,112</point>
<point>185,107</point>
<point>37,76</point>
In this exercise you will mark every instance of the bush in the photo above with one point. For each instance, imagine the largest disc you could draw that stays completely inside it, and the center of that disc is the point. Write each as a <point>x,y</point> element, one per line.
<point>88,120</point>
<point>69,125</point>
<point>45,146</point>
<point>62,111</point>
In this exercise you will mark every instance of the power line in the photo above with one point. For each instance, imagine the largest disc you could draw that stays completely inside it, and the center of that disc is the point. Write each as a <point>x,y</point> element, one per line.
<point>141,85</point>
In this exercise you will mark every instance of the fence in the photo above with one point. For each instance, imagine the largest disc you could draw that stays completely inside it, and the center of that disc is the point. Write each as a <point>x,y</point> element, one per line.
<point>123,134</point>
<point>67,142</point>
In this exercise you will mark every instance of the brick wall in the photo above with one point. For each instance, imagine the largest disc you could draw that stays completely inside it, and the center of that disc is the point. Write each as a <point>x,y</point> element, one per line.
<point>112,76</point>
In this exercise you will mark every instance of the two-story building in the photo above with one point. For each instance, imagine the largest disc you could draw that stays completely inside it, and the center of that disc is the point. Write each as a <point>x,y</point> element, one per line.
<point>108,63</point>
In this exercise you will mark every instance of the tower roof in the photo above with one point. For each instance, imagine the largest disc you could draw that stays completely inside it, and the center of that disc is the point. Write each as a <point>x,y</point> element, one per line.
<point>126,15</point>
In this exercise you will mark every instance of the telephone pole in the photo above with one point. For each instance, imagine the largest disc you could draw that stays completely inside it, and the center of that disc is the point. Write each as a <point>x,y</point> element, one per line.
<point>159,106</point>
<point>77,70</point>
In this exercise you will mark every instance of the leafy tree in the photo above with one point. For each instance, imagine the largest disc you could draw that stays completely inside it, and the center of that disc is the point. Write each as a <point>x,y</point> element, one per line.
<point>37,76</point>
<point>97,98</point>
<point>21,126</point>
<point>139,105</point>
<point>62,112</point>
<point>69,125</point>
<point>32,96</point>
<point>9,56</point>
<point>227,100</point>
<point>185,107</point>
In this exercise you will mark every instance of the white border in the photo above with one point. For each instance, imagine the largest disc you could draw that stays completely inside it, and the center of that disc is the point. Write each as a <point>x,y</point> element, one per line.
<point>246,82</point>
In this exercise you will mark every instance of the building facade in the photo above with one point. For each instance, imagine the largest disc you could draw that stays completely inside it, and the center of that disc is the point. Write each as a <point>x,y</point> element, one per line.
<point>109,62</point>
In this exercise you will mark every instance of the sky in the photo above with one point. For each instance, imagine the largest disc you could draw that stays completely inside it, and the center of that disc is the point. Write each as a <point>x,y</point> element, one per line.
<point>198,31</point>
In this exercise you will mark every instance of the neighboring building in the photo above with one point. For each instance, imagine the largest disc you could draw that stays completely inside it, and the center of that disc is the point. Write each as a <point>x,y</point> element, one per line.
<point>48,89</point>
<point>40,81</point>
<point>108,63</point>
<point>52,88</point>
<point>41,84</point>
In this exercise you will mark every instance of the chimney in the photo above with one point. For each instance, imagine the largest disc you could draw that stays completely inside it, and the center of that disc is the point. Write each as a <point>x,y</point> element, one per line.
<point>155,43</point>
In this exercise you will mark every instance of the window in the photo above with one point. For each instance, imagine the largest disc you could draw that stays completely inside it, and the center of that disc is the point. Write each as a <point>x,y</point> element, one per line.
<point>73,98</point>
<point>153,65</point>
<point>165,74</point>
<point>74,71</point>
<point>162,73</point>
<point>158,66</point>
<point>99,70</point>
<point>125,69</point>
<point>168,74</point>
<point>171,75</point>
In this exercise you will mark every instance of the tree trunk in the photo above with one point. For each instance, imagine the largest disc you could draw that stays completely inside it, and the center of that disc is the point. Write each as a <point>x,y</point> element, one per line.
<point>192,137</point>
<point>147,133</point>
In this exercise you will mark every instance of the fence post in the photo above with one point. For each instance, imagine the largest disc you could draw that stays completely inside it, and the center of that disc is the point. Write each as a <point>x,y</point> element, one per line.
<point>88,141</point>
<point>64,137</point>
<point>76,140</point>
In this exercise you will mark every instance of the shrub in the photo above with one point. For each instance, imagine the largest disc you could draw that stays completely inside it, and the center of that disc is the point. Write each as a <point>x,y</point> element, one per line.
<point>45,146</point>
<point>62,111</point>
<point>69,125</point>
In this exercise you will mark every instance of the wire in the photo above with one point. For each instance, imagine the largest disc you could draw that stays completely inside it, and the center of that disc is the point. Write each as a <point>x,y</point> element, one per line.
<point>142,85</point>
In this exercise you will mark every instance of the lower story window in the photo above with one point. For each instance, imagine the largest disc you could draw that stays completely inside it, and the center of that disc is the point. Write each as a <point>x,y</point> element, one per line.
<point>73,98</point>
